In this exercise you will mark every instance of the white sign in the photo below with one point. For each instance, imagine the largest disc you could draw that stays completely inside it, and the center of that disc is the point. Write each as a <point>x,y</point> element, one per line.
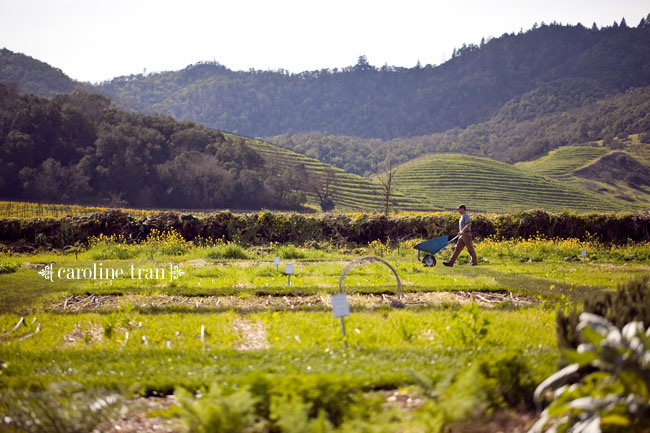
<point>276,261</point>
<point>340,305</point>
<point>288,269</point>
<point>584,253</point>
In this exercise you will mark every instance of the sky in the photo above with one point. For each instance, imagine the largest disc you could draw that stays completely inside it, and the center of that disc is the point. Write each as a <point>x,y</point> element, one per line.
<point>96,40</point>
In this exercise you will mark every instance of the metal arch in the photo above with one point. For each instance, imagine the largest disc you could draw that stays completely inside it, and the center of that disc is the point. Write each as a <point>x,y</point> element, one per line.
<point>363,261</point>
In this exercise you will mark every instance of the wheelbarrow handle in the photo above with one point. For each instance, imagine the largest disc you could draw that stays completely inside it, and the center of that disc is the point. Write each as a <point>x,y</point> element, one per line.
<point>453,239</point>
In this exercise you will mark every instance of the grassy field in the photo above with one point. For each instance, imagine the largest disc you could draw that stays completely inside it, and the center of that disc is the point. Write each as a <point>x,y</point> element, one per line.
<point>233,327</point>
<point>493,186</point>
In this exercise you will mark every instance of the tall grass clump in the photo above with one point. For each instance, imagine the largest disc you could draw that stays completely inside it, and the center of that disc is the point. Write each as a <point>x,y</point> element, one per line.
<point>289,251</point>
<point>226,250</point>
<point>113,247</point>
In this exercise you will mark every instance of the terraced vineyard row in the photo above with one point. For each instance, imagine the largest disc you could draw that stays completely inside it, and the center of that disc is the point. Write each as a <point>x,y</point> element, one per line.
<point>488,185</point>
<point>618,174</point>
<point>353,192</point>
<point>562,162</point>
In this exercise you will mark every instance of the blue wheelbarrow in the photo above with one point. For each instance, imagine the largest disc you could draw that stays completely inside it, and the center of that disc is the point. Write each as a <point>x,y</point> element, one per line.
<point>431,247</point>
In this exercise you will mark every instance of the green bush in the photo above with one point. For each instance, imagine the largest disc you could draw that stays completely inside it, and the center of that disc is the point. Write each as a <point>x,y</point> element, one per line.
<point>289,251</point>
<point>8,267</point>
<point>220,412</point>
<point>469,325</point>
<point>469,394</point>
<point>64,407</point>
<point>289,404</point>
<point>512,374</point>
<point>227,251</point>
<point>629,303</point>
<point>291,415</point>
<point>607,385</point>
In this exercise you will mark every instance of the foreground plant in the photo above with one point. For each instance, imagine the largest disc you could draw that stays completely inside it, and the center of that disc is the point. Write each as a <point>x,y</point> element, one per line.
<point>64,407</point>
<point>606,388</point>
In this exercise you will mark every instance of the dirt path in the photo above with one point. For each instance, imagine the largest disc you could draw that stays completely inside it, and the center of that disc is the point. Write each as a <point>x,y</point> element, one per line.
<point>138,420</point>
<point>252,303</point>
<point>252,335</point>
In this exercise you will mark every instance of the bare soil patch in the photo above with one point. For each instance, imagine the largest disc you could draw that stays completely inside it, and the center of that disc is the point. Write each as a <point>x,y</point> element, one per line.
<point>316,302</point>
<point>252,335</point>
<point>89,333</point>
<point>504,421</point>
<point>138,420</point>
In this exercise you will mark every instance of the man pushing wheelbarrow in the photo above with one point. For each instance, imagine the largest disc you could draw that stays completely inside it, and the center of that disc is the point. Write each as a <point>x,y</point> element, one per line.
<point>464,238</point>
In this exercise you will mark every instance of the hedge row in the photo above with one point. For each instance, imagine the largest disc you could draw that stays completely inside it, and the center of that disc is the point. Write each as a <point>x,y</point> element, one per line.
<point>266,226</point>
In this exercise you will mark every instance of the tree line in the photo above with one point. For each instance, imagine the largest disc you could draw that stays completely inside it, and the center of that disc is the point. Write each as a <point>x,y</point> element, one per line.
<point>80,148</point>
<point>391,102</point>
<point>526,127</point>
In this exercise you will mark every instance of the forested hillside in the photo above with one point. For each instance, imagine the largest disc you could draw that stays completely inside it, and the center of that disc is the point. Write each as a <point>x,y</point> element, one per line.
<point>523,129</point>
<point>79,148</point>
<point>388,102</point>
<point>33,76</point>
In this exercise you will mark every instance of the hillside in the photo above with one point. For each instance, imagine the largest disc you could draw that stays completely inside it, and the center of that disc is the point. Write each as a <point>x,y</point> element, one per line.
<point>515,133</point>
<point>491,186</point>
<point>79,148</point>
<point>390,102</point>
<point>33,76</point>
<point>621,174</point>
<point>350,192</point>
<point>561,163</point>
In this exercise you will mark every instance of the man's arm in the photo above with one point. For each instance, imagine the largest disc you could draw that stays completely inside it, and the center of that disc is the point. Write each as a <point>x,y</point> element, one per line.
<point>464,228</point>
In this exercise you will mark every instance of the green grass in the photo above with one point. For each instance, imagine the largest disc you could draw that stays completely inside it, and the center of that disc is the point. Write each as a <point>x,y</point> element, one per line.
<point>527,267</point>
<point>300,344</point>
<point>147,351</point>
<point>561,163</point>
<point>487,185</point>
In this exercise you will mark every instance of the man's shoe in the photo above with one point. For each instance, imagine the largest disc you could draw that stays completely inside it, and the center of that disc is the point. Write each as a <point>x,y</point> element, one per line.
<point>448,264</point>
<point>473,264</point>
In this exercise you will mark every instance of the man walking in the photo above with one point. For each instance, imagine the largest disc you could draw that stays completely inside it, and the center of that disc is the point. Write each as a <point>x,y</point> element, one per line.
<point>464,237</point>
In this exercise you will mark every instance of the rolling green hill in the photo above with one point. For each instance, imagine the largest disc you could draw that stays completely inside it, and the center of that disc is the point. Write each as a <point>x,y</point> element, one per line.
<point>352,192</point>
<point>562,162</point>
<point>491,186</point>
<point>620,174</point>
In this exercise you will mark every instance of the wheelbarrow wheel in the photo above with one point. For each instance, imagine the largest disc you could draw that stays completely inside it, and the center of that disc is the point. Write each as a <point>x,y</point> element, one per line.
<point>429,261</point>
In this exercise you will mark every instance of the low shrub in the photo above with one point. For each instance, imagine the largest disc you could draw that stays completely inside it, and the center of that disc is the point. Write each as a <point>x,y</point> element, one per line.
<point>607,385</point>
<point>220,412</point>
<point>64,407</point>
<point>8,267</point>
<point>168,242</point>
<point>227,251</point>
<point>289,252</point>
<point>513,378</point>
<point>629,303</point>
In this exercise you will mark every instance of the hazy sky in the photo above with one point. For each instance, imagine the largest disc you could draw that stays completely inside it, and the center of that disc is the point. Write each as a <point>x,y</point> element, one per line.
<point>93,40</point>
